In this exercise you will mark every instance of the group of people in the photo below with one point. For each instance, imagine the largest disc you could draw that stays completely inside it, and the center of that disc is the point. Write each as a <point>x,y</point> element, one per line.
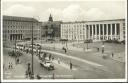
<point>65,50</point>
<point>10,65</point>
<point>98,49</point>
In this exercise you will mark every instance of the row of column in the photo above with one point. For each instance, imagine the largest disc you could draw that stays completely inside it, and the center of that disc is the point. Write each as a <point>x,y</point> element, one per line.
<point>91,35</point>
<point>16,37</point>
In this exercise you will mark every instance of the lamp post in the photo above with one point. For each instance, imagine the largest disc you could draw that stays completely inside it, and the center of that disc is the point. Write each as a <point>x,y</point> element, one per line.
<point>84,38</point>
<point>87,38</point>
<point>32,72</point>
<point>15,43</point>
<point>67,39</point>
<point>102,47</point>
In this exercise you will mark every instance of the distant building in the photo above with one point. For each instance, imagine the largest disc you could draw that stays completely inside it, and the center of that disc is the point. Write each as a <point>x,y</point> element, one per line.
<point>95,30</point>
<point>51,29</point>
<point>20,28</point>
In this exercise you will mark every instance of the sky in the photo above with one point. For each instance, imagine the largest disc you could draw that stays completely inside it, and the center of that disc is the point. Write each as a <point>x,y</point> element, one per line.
<point>66,10</point>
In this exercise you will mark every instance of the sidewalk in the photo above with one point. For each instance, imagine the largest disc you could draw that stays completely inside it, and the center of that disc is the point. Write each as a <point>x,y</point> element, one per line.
<point>16,72</point>
<point>118,56</point>
<point>67,66</point>
<point>72,57</point>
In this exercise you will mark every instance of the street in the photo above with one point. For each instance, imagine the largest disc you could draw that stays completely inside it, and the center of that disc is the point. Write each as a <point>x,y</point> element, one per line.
<point>86,65</point>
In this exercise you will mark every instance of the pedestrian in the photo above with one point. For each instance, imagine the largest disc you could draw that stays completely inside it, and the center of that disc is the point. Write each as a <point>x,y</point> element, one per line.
<point>18,60</point>
<point>65,50</point>
<point>26,74</point>
<point>38,76</point>
<point>29,70</point>
<point>70,65</point>
<point>52,58</point>
<point>3,66</point>
<point>58,60</point>
<point>53,76</point>
<point>112,55</point>
<point>102,50</point>
<point>9,65</point>
<point>98,49</point>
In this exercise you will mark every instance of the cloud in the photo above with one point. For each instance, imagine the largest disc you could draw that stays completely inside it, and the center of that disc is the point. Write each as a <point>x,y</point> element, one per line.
<point>20,10</point>
<point>74,12</point>
<point>96,14</point>
<point>56,14</point>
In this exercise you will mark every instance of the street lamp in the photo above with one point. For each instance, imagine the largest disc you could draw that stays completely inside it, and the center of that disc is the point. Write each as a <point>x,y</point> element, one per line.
<point>67,39</point>
<point>15,43</point>
<point>32,73</point>
<point>102,47</point>
<point>87,38</point>
<point>84,38</point>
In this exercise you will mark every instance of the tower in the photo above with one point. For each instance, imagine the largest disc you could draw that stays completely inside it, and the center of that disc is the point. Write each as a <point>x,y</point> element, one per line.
<point>50,18</point>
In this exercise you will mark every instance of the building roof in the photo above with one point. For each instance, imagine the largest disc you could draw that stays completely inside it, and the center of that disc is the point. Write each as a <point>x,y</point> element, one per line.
<point>94,21</point>
<point>16,18</point>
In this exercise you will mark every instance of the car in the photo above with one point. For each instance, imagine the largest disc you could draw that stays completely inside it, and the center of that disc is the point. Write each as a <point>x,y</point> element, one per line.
<point>47,64</point>
<point>13,53</point>
<point>88,41</point>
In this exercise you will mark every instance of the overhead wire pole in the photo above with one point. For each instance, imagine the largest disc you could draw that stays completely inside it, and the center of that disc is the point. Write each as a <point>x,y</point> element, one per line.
<point>84,38</point>
<point>32,75</point>
<point>87,38</point>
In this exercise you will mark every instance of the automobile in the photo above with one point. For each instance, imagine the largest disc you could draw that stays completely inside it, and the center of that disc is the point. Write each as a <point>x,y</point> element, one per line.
<point>47,64</point>
<point>13,53</point>
<point>88,41</point>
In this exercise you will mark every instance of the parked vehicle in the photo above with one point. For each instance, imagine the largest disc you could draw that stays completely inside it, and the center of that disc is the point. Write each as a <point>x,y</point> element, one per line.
<point>47,64</point>
<point>88,41</point>
<point>17,53</point>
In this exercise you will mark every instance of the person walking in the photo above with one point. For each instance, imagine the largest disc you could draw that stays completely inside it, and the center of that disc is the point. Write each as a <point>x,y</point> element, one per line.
<point>70,66</point>
<point>58,60</point>
<point>29,70</point>
<point>97,49</point>
<point>26,73</point>
<point>9,65</point>
<point>112,55</point>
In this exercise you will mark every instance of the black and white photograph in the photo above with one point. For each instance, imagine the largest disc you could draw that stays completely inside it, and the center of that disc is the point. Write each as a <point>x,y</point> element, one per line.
<point>64,40</point>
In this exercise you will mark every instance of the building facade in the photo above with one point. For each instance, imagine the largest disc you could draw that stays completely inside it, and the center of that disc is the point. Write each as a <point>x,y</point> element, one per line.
<point>51,29</point>
<point>20,28</point>
<point>95,30</point>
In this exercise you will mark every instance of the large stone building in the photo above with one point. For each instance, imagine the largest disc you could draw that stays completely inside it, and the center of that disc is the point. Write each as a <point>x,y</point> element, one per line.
<point>20,28</point>
<point>95,30</point>
<point>51,29</point>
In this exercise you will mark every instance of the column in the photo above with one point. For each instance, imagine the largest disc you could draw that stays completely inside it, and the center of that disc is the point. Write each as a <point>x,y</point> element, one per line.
<point>10,37</point>
<point>92,32</point>
<point>95,32</point>
<point>111,31</point>
<point>89,32</point>
<point>107,31</point>
<point>22,37</point>
<point>99,31</point>
<point>19,37</point>
<point>115,32</point>
<point>103,30</point>
<point>13,36</point>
